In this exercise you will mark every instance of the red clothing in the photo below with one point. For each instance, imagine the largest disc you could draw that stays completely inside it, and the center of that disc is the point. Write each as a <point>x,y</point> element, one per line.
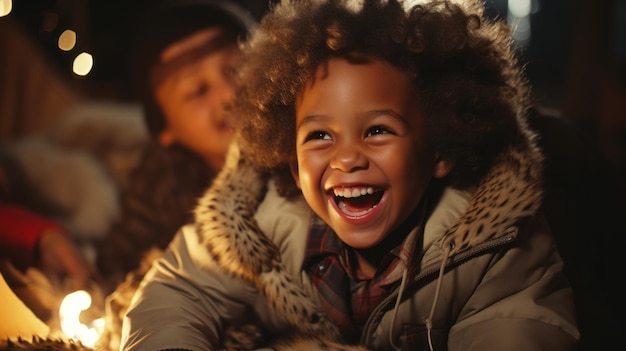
<point>20,230</point>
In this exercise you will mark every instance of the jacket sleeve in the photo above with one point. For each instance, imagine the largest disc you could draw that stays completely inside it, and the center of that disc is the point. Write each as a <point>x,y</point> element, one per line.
<point>523,301</point>
<point>186,301</point>
<point>183,300</point>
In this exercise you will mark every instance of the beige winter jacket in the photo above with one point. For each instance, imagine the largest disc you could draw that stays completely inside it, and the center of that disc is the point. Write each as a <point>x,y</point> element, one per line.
<point>489,277</point>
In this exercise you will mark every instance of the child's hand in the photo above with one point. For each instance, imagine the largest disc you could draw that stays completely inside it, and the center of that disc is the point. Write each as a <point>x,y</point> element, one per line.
<point>59,255</point>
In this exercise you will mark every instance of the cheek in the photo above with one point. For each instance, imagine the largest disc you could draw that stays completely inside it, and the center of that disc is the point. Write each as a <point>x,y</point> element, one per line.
<point>421,171</point>
<point>310,172</point>
<point>413,167</point>
<point>192,118</point>
<point>164,97</point>
<point>172,111</point>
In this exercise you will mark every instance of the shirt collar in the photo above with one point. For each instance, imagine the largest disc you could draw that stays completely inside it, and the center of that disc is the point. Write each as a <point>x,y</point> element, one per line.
<point>323,241</point>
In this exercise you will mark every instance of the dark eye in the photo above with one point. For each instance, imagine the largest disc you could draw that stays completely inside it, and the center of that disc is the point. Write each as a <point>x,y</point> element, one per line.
<point>317,135</point>
<point>377,130</point>
<point>198,90</point>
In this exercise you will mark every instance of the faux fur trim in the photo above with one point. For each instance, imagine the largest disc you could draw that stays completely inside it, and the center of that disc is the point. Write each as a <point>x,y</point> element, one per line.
<point>42,344</point>
<point>227,228</point>
<point>510,191</point>
<point>299,343</point>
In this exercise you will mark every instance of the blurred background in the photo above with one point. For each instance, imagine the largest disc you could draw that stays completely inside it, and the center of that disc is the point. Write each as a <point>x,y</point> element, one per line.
<point>64,29</point>
<point>574,52</point>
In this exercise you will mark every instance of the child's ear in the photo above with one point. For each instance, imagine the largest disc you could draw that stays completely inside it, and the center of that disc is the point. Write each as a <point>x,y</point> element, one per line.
<point>293,166</point>
<point>442,167</point>
<point>166,138</point>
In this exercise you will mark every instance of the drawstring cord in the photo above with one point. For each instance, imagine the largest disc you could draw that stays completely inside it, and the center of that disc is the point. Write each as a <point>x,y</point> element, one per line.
<point>395,310</point>
<point>401,290</point>
<point>429,320</point>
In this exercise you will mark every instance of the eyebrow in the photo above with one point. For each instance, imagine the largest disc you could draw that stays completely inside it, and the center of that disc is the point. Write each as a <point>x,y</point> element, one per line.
<point>306,120</point>
<point>370,114</point>
<point>375,113</point>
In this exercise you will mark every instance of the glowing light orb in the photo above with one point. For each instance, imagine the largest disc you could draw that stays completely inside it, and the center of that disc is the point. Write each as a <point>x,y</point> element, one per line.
<point>69,314</point>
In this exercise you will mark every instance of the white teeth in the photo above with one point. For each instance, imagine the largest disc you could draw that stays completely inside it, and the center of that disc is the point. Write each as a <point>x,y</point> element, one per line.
<point>354,192</point>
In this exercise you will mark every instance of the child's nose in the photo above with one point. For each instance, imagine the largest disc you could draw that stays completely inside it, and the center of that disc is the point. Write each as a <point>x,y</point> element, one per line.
<point>226,91</point>
<point>348,157</point>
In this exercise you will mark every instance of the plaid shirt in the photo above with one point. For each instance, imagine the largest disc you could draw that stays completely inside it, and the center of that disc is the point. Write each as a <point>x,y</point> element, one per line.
<point>347,297</point>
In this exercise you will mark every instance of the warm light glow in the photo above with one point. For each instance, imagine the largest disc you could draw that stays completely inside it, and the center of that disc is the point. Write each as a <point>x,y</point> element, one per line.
<point>520,8</point>
<point>67,40</point>
<point>519,19</point>
<point>69,314</point>
<point>5,7</point>
<point>83,63</point>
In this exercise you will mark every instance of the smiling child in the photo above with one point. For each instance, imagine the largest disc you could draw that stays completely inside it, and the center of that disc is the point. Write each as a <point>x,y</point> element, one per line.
<point>382,193</point>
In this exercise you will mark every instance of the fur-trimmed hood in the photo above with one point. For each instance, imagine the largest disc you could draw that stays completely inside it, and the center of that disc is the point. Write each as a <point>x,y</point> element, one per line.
<point>225,224</point>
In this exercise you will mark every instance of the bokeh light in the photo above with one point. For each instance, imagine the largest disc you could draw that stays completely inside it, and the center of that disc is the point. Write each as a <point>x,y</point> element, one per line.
<point>83,63</point>
<point>67,40</point>
<point>5,7</point>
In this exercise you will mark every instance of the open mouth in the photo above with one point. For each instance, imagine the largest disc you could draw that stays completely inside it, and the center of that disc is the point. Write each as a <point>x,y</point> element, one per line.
<point>225,125</point>
<point>357,201</point>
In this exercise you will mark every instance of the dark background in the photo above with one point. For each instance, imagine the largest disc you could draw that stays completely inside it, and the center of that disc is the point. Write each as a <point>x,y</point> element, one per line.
<point>103,29</point>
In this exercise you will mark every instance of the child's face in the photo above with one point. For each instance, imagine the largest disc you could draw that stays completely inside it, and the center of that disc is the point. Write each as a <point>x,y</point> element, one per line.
<point>363,160</point>
<point>192,97</point>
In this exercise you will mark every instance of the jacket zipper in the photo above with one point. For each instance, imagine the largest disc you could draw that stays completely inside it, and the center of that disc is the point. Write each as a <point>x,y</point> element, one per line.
<point>432,271</point>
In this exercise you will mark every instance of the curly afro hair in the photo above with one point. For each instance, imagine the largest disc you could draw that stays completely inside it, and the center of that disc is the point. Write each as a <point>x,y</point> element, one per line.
<point>475,96</point>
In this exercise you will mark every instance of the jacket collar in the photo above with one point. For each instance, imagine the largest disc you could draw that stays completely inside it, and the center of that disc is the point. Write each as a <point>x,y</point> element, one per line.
<point>510,191</point>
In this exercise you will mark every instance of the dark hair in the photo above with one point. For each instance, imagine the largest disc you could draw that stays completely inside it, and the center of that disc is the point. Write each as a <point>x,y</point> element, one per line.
<point>474,94</point>
<point>168,22</point>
